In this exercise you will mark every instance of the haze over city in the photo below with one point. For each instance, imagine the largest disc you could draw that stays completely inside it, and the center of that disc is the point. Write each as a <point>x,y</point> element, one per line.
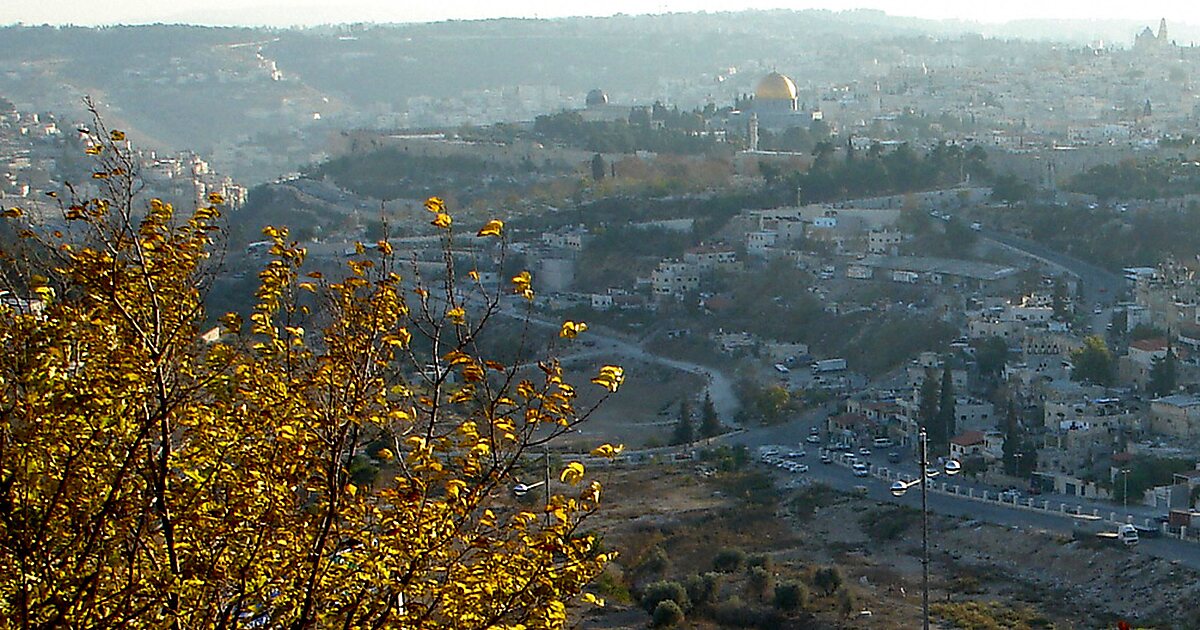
<point>281,13</point>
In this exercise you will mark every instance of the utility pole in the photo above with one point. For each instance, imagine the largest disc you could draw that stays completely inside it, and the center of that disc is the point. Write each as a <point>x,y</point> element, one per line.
<point>924,532</point>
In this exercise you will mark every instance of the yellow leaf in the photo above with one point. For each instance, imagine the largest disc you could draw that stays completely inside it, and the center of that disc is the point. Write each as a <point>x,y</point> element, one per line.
<point>457,315</point>
<point>572,474</point>
<point>456,357</point>
<point>571,329</point>
<point>442,220</point>
<point>117,136</point>
<point>608,450</point>
<point>610,377</point>
<point>12,213</point>
<point>523,285</point>
<point>474,275</point>
<point>384,247</point>
<point>473,373</point>
<point>95,149</point>
<point>386,454</point>
<point>351,489</point>
<point>493,228</point>
<point>593,600</point>
<point>308,286</point>
<point>435,205</point>
<point>216,198</point>
<point>454,487</point>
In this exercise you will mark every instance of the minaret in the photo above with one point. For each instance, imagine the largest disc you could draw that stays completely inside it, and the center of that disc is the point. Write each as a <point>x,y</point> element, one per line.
<point>753,132</point>
<point>1162,32</point>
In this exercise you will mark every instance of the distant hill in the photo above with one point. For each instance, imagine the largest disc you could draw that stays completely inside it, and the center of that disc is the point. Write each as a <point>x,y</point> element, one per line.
<point>197,87</point>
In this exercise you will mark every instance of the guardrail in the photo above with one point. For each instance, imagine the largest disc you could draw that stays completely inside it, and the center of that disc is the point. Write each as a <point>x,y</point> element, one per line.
<point>1044,506</point>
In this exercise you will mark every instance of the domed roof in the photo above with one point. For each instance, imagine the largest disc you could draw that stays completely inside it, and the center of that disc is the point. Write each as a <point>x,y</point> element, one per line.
<point>596,98</point>
<point>775,87</point>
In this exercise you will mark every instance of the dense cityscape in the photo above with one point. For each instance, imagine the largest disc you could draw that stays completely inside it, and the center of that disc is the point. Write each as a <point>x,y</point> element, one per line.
<point>907,314</point>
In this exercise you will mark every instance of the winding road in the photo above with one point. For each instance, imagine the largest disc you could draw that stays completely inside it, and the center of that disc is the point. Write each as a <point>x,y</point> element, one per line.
<point>719,387</point>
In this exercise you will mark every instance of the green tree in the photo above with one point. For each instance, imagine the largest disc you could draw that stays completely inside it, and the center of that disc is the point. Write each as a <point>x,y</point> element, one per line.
<point>1147,472</point>
<point>1012,440</point>
<point>1059,301</point>
<point>927,406</point>
<point>1010,189</point>
<point>1163,375</point>
<point>946,420</point>
<point>990,356</point>
<point>598,167</point>
<point>684,431</point>
<point>710,424</point>
<point>1094,362</point>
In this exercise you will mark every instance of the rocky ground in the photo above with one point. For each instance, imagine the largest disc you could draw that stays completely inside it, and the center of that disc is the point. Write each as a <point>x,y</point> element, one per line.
<point>670,522</point>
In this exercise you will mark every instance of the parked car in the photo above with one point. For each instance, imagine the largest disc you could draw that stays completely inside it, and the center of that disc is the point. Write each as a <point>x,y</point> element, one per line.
<point>864,452</point>
<point>813,439</point>
<point>861,470</point>
<point>800,468</point>
<point>826,459</point>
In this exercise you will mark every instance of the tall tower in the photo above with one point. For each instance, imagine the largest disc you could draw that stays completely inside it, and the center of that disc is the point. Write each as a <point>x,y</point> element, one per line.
<point>753,132</point>
<point>1162,32</point>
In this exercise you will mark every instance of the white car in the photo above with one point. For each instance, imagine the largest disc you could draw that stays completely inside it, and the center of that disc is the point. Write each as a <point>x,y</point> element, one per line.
<point>861,470</point>
<point>800,468</point>
<point>813,439</point>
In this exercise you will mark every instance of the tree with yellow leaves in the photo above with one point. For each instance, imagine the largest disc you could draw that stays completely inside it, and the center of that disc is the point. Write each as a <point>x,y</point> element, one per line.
<point>151,476</point>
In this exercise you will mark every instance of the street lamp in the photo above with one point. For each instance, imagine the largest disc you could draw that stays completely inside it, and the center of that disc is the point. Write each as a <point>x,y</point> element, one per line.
<point>1125,491</point>
<point>951,467</point>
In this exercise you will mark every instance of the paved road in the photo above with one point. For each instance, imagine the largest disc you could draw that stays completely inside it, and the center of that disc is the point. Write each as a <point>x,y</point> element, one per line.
<point>1099,285</point>
<point>719,387</point>
<point>792,435</point>
<point>841,478</point>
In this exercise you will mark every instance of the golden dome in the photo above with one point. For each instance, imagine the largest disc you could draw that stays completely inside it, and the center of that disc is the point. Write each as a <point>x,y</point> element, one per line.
<point>775,87</point>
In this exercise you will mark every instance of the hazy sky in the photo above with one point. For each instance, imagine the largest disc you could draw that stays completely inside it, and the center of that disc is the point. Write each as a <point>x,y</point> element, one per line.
<point>296,12</point>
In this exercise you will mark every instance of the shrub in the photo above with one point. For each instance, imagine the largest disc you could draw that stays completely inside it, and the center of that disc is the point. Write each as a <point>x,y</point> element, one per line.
<point>828,579</point>
<point>662,591</point>
<point>656,561</point>
<point>847,601</point>
<point>729,560</point>
<point>611,585</point>
<point>791,596</point>
<point>739,614</point>
<point>761,560</point>
<point>888,522</point>
<point>667,613</point>
<point>703,589</point>
<point>759,583</point>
